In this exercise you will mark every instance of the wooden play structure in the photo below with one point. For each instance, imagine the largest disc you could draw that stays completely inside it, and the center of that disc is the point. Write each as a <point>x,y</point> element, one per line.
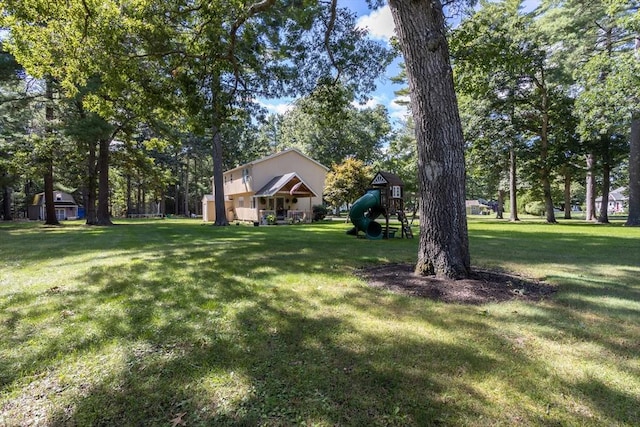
<point>386,198</point>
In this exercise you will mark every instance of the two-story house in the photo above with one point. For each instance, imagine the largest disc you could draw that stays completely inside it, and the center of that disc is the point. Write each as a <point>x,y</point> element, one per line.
<point>281,187</point>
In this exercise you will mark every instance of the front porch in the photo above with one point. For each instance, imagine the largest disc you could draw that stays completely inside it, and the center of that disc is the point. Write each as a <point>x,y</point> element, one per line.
<point>288,216</point>
<point>286,199</point>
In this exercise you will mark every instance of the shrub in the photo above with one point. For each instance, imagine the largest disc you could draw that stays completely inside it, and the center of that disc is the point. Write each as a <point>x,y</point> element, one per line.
<point>319,212</point>
<point>534,208</point>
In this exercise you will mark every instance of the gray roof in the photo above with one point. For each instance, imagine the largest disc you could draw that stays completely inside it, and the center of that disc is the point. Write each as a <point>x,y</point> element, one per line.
<point>615,195</point>
<point>289,183</point>
<point>60,198</point>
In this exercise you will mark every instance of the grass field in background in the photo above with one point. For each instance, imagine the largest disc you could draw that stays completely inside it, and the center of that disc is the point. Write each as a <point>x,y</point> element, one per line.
<point>172,322</point>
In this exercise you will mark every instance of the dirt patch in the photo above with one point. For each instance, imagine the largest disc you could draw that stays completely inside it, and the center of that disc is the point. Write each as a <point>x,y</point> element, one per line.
<point>483,286</point>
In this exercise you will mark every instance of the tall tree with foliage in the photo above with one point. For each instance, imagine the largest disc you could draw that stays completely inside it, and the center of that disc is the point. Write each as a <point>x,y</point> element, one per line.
<point>444,245</point>
<point>595,41</point>
<point>496,92</point>
<point>328,127</point>
<point>82,45</point>
<point>224,55</point>
<point>13,101</point>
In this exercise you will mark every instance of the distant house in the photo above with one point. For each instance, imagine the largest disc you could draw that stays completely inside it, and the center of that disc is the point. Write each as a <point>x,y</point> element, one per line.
<point>281,187</point>
<point>66,207</point>
<point>617,201</point>
<point>478,207</point>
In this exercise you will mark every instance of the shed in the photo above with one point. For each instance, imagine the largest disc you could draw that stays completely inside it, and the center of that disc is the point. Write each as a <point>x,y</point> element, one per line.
<point>66,207</point>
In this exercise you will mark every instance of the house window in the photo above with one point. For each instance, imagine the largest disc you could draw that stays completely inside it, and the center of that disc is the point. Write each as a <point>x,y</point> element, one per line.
<point>58,196</point>
<point>253,203</point>
<point>245,175</point>
<point>241,202</point>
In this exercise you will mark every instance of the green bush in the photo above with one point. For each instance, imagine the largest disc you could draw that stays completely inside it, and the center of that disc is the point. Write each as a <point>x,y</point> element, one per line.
<point>535,208</point>
<point>319,212</point>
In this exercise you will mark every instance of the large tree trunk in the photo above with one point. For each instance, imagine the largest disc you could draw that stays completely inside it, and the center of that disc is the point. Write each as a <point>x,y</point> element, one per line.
<point>186,189</point>
<point>634,173</point>
<point>500,207</point>
<point>129,203</point>
<point>104,217</point>
<point>513,185</point>
<point>50,214</point>
<point>591,188</point>
<point>603,217</point>
<point>92,177</point>
<point>545,170</point>
<point>6,203</point>
<point>218,184</point>
<point>443,247</point>
<point>634,162</point>
<point>567,194</point>
<point>548,201</point>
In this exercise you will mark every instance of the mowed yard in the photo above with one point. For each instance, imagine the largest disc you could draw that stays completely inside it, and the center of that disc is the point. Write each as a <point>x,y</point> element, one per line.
<point>172,322</point>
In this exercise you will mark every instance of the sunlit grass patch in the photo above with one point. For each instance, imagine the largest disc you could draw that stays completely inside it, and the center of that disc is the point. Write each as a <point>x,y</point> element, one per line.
<point>138,323</point>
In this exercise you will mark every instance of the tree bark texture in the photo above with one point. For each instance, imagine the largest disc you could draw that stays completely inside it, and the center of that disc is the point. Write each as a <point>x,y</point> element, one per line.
<point>634,173</point>
<point>500,207</point>
<point>186,187</point>
<point>603,216</point>
<point>103,217</point>
<point>567,195</point>
<point>218,184</point>
<point>513,185</point>
<point>591,188</point>
<point>92,177</point>
<point>6,203</point>
<point>50,208</point>
<point>443,246</point>
<point>545,170</point>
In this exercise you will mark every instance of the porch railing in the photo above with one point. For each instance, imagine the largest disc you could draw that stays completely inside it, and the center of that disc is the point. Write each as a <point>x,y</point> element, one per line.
<point>291,216</point>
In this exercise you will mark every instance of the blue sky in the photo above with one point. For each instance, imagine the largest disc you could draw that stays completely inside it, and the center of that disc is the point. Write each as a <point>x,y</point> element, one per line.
<point>380,25</point>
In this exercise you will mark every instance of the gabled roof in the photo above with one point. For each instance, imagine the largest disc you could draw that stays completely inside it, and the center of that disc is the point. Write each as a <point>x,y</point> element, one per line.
<point>616,195</point>
<point>60,198</point>
<point>386,178</point>
<point>290,183</point>
<point>264,159</point>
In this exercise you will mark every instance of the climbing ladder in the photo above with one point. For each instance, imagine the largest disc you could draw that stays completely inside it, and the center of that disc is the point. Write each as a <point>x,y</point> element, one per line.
<point>406,228</point>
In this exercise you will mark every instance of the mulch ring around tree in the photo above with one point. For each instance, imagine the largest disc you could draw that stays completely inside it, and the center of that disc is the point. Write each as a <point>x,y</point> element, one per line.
<point>483,286</point>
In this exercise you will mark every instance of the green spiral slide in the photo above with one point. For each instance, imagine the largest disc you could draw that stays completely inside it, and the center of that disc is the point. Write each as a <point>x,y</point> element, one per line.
<point>363,213</point>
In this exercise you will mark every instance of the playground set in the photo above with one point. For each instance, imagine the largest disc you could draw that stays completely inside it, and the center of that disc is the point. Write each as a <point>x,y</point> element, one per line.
<point>386,198</point>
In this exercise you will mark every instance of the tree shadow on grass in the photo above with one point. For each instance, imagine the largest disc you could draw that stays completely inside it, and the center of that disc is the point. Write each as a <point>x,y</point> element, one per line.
<point>211,338</point>
<point>198,327</point>
<point>288,367</point>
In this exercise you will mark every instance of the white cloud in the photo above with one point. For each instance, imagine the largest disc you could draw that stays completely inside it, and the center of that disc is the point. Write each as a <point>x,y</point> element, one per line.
<point>371,102</point>
<point>398,111</point>
<point>379,22</point>
<point>277,107</point>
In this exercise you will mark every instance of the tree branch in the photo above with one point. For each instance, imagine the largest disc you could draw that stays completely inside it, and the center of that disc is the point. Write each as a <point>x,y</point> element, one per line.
<point>86,19</point>
<point>253,10</point>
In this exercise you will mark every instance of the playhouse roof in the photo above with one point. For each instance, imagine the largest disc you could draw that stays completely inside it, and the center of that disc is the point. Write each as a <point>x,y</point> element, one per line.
<point>386,178</point>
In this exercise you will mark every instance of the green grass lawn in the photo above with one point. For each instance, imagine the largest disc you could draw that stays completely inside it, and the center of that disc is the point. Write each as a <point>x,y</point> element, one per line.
<point>172,322</point>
